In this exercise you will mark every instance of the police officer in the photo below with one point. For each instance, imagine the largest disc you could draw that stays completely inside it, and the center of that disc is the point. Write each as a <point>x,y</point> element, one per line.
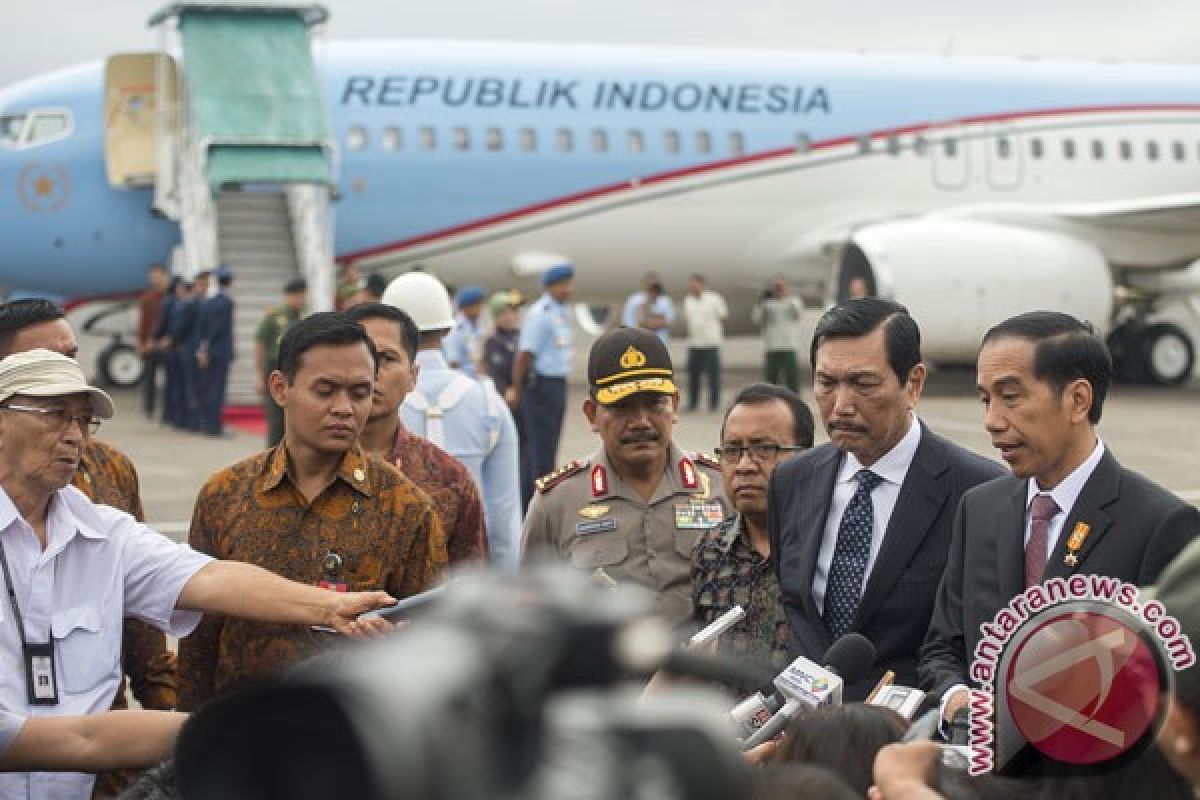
<point>539,381</point>
<point>463,346</point>
<point>463,416</point>
<point>635,509</point>
<point>266,350</point>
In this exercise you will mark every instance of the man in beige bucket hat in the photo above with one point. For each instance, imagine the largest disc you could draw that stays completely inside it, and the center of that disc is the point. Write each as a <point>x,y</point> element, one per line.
<point>72,569</point>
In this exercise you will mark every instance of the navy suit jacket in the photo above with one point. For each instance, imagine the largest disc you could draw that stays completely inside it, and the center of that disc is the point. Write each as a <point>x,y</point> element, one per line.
<point>215,327</point>
<point>898,596</point>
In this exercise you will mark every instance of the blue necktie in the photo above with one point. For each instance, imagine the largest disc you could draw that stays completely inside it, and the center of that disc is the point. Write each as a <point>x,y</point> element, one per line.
<point>844,587</point>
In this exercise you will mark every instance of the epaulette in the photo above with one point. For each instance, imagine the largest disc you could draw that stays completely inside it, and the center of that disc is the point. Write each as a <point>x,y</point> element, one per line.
<point>548,482</point>
<point>704,459</point>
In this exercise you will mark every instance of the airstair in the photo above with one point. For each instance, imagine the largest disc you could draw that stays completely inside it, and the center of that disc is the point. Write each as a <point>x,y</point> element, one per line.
<point>240,154</point>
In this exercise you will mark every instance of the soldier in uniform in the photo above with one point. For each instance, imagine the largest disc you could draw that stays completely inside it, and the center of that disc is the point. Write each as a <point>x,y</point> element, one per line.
<point>636,508</point>
<point>266,350</point>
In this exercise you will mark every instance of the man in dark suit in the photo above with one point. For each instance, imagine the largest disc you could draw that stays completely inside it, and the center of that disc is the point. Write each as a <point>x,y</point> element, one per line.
<point>214,352</point>
<point>860,527</point>
<point>1069,506</point>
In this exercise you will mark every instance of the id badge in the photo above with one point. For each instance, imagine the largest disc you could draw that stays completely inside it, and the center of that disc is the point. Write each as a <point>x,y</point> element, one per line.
<point>39,674</point>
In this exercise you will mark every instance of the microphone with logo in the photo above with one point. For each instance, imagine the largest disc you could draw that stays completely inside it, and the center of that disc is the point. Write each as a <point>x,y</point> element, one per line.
<point>806,685</point>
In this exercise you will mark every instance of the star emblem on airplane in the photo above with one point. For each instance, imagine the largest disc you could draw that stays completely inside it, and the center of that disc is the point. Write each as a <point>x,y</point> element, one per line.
<point>43,187</point>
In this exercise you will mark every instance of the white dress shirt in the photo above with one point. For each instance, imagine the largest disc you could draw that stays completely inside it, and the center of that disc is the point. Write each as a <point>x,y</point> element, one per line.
<point>10,726</point>
<point>705,315</point>
<point>99,566</point>
<point>1065,495</point>
<point>892,468</point>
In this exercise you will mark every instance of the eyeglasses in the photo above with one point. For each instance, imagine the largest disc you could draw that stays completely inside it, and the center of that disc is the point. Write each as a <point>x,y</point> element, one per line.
<point>759,451</point>
<point>59,418</point>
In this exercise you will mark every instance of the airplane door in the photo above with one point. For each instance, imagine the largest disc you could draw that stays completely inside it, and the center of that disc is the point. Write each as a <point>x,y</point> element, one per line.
<point>1005,158</point>
<point>951,158</point>
<point>131,117</point>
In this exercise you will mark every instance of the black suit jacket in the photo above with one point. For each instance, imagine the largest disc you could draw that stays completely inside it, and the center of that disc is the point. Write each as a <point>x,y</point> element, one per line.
<point>899,594</point>
<point>1137,528</point>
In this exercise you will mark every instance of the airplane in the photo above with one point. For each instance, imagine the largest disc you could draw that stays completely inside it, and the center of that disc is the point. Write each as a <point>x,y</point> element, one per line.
<point>967,189</point>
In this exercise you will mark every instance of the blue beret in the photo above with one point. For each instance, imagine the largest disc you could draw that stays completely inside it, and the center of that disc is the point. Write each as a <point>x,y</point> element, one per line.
<point>469,296</point>
<point>556,274</point>
<point>223,272</point>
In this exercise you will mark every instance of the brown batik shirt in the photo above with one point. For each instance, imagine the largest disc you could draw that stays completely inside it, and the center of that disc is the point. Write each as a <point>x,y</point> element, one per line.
<point>382,528</point>
<point>727,571</point>
<point>451,488</point>
<point>107,476</point>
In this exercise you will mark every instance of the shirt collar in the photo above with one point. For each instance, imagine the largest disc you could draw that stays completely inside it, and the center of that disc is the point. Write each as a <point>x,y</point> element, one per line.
<point>894,464</point>
<point>616,487</point>
<point>431,359</point>
<point>62,521</point>
<point>733,530</point>
<point>354,469</point>
<point>1070,487</point>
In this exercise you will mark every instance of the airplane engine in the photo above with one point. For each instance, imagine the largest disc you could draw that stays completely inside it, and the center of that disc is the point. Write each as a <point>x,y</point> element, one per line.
<point>960,277</point>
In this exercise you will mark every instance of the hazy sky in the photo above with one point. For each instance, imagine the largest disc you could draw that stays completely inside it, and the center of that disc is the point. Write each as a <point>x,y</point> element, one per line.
<point>41,35</point>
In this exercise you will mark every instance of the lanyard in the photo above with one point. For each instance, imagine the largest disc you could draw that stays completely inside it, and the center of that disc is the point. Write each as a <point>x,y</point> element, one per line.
<point>12,596</point>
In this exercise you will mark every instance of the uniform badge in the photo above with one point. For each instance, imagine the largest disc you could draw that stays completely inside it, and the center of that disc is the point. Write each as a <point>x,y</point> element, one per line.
<point>359,475</point>
<point>593,511</point>
<point>596,526</point>
<point>698,515</point>
<point>687,473</point>
<point>632,358</point>
<point>705,487</point>
<point>1075,543</point>
<point>599,481</point>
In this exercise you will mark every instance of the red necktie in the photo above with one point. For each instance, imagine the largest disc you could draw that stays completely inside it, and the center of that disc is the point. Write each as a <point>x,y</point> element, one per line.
<point>1041,511</point>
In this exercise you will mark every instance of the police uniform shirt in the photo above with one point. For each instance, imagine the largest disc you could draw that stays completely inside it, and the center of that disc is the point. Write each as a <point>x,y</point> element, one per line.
<point>585,514</point>
<point>546,333</point>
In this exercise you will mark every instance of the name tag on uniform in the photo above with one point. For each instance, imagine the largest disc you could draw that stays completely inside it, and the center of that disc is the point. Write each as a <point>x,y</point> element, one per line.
<point>596,526</point>
<point>697,515</point>
<point>39,675</point>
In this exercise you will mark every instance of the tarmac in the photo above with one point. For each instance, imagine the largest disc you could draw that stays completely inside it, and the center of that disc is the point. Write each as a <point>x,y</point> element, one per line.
<point>1154,431</point>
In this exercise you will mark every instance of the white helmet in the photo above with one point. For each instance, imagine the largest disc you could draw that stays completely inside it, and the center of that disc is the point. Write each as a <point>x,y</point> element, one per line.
<point>422,297</point>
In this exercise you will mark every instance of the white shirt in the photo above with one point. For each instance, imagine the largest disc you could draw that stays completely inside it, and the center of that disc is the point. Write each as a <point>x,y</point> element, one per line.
<point>704,315</point>
<point>99,565</point>
<point>892,468</point>
<point>1065,495</point>
<point>10,726</point>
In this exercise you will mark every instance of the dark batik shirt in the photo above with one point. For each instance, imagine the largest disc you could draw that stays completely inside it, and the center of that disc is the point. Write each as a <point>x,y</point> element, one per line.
<point>728,571</point>
<point>451,488</point>
<point>383,529</point>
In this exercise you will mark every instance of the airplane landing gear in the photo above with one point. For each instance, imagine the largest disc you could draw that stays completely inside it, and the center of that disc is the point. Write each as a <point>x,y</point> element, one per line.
<point>1162,354</point>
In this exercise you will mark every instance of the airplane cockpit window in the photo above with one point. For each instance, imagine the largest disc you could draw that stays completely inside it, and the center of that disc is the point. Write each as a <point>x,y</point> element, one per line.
<point>634,139</point>
<point>1126,150</point>
<point>528,138</point>
<point>1097,149</point>
<point>950,148</point>
<point>11,127</point>
<point>493,139</point>
<point>703,142</point>
<point>392,139</point>
<point>737,144</point>
<point>1152,151</point>
<point>427,137</point>
<point>599,141</point>
<point>1178,151</point>
<point>1003,147</point>
<point>671,141</point>
<point>356,137</point>
<point>1036,149</point>
<point>46,126</point>
<point>802,142</point>
<point>462,139</point>
<point>564,140</point>
<point>1068,148</point>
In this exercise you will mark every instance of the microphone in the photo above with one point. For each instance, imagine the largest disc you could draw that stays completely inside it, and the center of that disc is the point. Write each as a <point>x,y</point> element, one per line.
<point>408,606</point>
<point>904,700</point>
<point>960,727</point>
<point>754,712</point>
<point>805,685</point>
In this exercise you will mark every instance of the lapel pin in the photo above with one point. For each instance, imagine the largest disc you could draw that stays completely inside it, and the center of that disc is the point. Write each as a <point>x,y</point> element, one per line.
<point>1075,543</point>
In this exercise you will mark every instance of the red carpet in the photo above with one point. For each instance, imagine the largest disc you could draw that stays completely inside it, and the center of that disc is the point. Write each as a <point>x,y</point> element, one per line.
<point>246,418</point>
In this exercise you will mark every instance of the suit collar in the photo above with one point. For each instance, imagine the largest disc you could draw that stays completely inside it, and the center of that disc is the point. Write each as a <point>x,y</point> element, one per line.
<point>810,525</point>
<point>1089,513</point>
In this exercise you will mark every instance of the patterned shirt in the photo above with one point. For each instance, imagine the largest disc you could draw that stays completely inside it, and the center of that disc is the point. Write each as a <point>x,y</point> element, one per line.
<point>382,529</point>
<point>728,571</point>
<point>451,488</point>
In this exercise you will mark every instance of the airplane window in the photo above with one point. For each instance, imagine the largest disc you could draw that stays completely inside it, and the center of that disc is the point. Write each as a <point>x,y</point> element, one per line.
<point>1068,148</point>
<point>950,147</point>
<point>1097,149</point>
<point>392,139</point>
<point>1126,150</point>
<point>462,139</point>
<point>634,139</point>
<point>1152,151</point>
<point>494,139</point>
<point>47,126</point>
<point>599,141</point>
<point>671,141</point>
<point>893,146</point>
<point>11,126</point>
<point>1177,151</point>
<point>1036,149</point>
<point>356,137</point>
<point>428,138</point>
<point>1003,147</point>
<point>737,143</point>
<point>703,142</point>
<point>564,140</point>
<point>528,139</point>
<point>920,146</point>
<point>802,143</point>
<point>864,144</point>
